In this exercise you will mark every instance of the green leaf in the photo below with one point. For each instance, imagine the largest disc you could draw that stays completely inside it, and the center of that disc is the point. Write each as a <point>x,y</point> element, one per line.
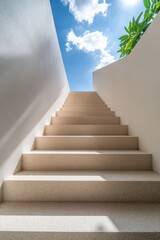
<point>133,21</point>
<point>129,27</point>
<point>126,29</point>
<point>146,14</point>
<point>124,37</point>
<point>138,18</point>
<point>147,3</point>
<point>123,54</point>
<point>137,27</point>
<point>124,43</point>
<point>158,7</point>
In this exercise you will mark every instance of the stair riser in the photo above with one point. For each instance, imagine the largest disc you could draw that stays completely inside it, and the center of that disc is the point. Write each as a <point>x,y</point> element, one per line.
<point>51,162</point>
<point>86,130</point>
<point>79,108</point>
<point>95,97</point>
<point>84,102</point>
<point>80,235</point>
<point>86,143</point>
<point>74,98</point>
<point>87,120</point>
<point>77,95</point>
<point>82,114</point>
<point>81,105</point>
<point>81,191</point>
<point>88,104</point>
<point>96,112</point>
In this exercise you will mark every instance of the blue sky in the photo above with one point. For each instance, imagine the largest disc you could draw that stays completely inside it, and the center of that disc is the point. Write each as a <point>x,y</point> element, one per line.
<point>88,32</point>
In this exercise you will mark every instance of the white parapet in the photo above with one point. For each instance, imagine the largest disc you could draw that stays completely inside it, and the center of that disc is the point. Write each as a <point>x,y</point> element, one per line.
<point>131,87</point>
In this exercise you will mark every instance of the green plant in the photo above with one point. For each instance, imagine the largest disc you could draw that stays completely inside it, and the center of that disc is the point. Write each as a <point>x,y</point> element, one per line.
<point>138,26</point>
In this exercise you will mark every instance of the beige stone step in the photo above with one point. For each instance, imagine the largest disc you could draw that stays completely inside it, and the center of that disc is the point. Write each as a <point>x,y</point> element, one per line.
<point>72,98</point>
<point>85,129</point>
<point>75,221</point>
<point>78,93</point>
<point>84,98</point>
<point>86,143</point>
<point>86,160</point>
<point>84,101</point>
<point>81,108</point>
<point>88,112</point>
<point>85,104</point>
<point>90,120</point>
<point>75,96</point>
<point>110,186</point>
<point>84,113</point>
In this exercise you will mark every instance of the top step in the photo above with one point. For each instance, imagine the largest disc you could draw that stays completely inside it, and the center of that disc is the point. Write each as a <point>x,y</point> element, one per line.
<point>83,93</point>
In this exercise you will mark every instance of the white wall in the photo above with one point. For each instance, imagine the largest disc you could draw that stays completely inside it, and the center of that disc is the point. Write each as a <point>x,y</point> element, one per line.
<point>131,87</point>
<point>33,81</point>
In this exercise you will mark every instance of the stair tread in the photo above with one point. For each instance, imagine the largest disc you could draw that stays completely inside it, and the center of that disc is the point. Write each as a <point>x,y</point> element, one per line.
<point>87,136</point>
<point>87,129</point>
<point>87,125</point>
<point>86,152</point>
<point>86,117</point>
<point>107,176</point>
<point>79,217</point>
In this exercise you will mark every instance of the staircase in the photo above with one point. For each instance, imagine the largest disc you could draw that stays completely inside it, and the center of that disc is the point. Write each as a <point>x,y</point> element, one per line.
<point>85,179</point>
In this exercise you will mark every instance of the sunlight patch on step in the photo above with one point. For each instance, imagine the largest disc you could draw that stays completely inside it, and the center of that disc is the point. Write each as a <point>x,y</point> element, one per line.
<point>57,223</point>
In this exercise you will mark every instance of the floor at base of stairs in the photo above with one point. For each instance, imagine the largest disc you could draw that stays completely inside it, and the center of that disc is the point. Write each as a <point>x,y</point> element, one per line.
<point>68,220</point>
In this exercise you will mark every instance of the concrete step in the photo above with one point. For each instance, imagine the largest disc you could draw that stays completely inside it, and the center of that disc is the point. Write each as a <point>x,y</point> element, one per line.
<point>75,221</point>
<point>86,143</point>
<point>90,120</point>
<point>85,129</point>
<point>110,186</point>
<point>84,108</point>
<point>84,113</point>
<point>86,105</point>
<point>94,105</point>
<point>77,94</point>
<point>84,101</point>
<point>72,98</point>
<point>86,160</point>
<point>83,97</point>
<point>89,97</point>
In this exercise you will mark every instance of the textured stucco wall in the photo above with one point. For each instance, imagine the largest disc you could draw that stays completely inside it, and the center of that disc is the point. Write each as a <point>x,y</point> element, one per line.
<point>131,87</point>
<point>33,81</point>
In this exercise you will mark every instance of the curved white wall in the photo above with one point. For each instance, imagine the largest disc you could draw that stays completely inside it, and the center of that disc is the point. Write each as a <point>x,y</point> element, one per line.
<point>33,81</point>
<point>131,87</point>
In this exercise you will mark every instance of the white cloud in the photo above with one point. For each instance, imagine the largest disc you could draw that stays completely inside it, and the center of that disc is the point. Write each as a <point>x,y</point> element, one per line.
<point>68,47</point>
<point>88,42</point>
<point>91,42</point>
<point>86,10</point>
<point>106,58</point>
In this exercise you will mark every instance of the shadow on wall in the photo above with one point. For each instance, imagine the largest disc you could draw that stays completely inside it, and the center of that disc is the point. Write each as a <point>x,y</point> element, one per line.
<point>23,103</point>
<point>32,75</point>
